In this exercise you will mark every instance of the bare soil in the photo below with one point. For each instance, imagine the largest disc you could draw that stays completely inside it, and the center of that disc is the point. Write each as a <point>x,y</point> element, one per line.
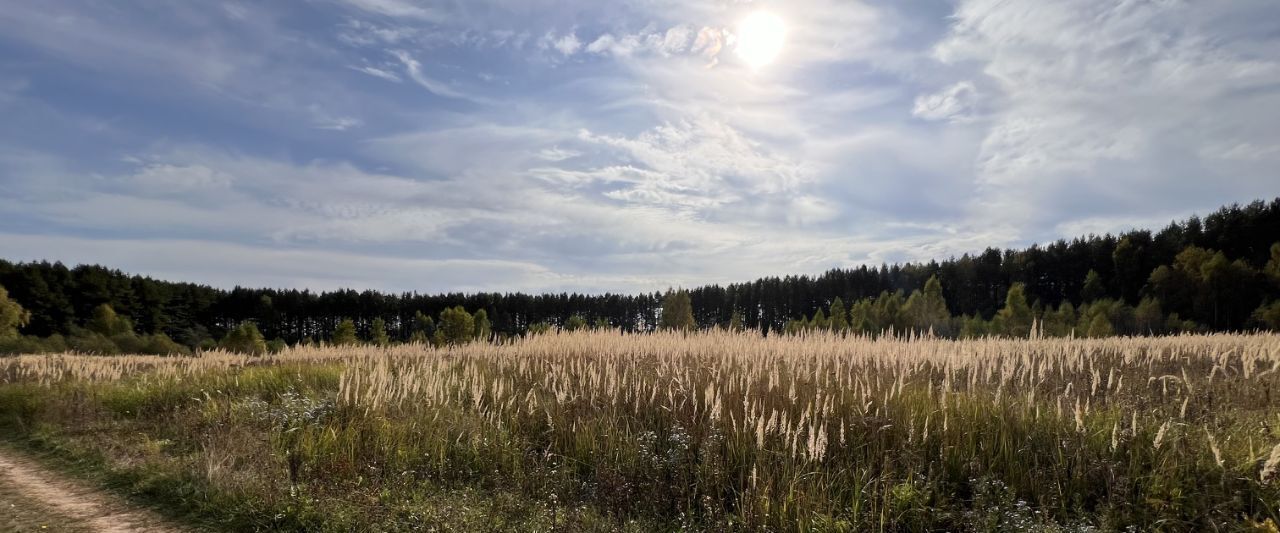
<point>33,498</point>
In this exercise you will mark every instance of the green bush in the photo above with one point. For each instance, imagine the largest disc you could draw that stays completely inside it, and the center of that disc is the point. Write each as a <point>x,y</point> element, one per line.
<point>276,346</point>
<point>245,339</point>
<point>161,344</point>
<point>92,343</point>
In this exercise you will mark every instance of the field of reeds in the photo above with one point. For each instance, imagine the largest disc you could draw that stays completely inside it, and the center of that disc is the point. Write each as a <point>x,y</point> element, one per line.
<point>715,431</point>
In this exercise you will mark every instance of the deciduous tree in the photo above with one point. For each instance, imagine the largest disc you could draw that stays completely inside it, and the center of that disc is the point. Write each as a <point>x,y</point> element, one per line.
<point>677,311</point>
<point>12,316</point>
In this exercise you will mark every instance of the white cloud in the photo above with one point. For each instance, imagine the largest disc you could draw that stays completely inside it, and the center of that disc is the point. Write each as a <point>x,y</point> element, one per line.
<point>413,69</point>
<point>955,103</point>
<point>398,9</point>
<point>1098,106</point>
<point>607,154</point>
<point>567,44</point>
<point>378,73</point>
<point>337,123</point>
<point>162,178</point>
<point>557,154</point>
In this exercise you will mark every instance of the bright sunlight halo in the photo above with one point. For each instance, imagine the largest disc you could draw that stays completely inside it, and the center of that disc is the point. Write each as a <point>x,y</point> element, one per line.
<point>760,38</point>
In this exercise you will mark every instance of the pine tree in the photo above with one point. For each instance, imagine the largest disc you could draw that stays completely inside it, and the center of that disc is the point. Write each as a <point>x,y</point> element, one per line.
<point>861,319</point>
<point>378,332</point>
<point>928,309</point>
<point>1062,322</point>
<point>735,321</point>
<point>819,321</point>
<point>345,333</point>
<point>12,316</point>
<point>974,327</point>
<point>887,313</point>
<point>1015,319</point>
<point>677,311</point>
<point>839,316</point>
<point>575,323</point>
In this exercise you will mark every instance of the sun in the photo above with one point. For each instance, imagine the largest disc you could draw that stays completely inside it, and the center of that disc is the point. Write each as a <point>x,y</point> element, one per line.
<point>760,38</point>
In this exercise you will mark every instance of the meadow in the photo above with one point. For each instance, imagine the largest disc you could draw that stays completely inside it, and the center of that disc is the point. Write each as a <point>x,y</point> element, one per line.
<point>707,431</point>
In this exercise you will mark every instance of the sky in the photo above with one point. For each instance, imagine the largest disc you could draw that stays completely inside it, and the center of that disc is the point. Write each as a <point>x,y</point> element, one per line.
<point>633,145</point>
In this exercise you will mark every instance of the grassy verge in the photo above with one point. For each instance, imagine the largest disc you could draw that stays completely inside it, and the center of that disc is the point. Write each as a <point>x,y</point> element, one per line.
<point>159,445</point>
<point>1061,436</point>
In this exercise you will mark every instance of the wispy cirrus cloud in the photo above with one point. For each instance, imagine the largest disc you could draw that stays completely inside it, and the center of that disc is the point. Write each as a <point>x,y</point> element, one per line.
<point>538,144</point>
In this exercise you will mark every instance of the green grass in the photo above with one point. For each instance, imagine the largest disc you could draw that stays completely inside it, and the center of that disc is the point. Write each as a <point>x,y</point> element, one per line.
<point>277,447</point>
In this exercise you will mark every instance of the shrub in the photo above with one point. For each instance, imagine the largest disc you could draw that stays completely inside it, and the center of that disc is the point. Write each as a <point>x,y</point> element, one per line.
<point>245,339</point>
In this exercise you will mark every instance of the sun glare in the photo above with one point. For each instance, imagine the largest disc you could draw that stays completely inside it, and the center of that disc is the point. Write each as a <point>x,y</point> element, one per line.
<point>760,38</point>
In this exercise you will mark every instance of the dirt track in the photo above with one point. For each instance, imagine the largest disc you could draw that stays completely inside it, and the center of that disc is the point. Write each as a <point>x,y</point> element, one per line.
<point>44,500</point>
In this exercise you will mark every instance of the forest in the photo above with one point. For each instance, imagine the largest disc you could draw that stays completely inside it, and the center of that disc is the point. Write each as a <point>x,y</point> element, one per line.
<point>1217,273</point>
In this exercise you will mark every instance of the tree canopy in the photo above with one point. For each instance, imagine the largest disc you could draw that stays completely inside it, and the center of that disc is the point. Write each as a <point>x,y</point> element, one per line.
<point>1220,272</point>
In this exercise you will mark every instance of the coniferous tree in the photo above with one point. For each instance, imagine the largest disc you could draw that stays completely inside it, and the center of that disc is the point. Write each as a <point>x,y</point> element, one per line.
<point>928,308</point>
<point>345,333</point>
<point>1062,322</point>
<point>1093,288</point>
<point>861,317</point>
<point>575,323</point>
<point>974,327</point>
<point>1131,267</point>
<point>1015,318</point>
<point>735,320</point>
<point>819,321</point>
<point>886,313</point>
<point>1178,263</point>
<point>378,332</point>
<point>839,316</point>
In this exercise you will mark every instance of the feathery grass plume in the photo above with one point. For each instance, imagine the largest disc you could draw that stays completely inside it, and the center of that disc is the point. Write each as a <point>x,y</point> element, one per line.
<point>704,404</point>
<point>1160,435</point>
<point>1213,446</point>
<point>1271,469</point>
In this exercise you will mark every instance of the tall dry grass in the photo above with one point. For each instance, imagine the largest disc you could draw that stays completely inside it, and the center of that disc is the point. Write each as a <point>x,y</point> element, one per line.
<point>720,430</point>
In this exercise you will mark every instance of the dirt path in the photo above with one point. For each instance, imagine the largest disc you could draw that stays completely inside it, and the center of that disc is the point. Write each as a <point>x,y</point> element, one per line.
<point>38,499</point>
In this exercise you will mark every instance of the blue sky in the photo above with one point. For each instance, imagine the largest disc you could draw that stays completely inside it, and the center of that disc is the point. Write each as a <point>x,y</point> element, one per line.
<point>614,146</point>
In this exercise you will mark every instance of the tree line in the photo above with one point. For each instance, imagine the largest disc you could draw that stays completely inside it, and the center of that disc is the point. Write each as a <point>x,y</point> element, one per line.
<point>1212,274</point>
